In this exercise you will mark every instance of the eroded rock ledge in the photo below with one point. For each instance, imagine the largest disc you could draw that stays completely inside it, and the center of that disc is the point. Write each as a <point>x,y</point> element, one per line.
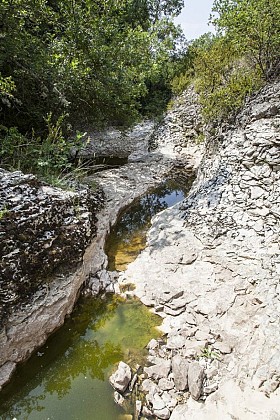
<point>44,233</point>
<point>211,270</point>
<point>42,229</point>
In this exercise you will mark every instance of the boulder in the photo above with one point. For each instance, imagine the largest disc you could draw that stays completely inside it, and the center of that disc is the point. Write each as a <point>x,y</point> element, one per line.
<point>165,384</point>
<point>175,342</point>
<point>121,378</point>
<point>118,398</point>
<point>162,414</point>
<point>157,402</point>
<point>195,379</point>
<point>180,368</point>
<point>149,386</point>
<point>159,370</point>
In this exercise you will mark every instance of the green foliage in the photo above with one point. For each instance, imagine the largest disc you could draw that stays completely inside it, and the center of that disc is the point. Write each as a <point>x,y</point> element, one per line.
<point>223,79</point>
<point>182,81</point>
<point>228,67</point>
<point>3,213</point>
<point>7,86</point>
<point>208,353</point>
<point>185,66</point>
<point>253,26</point>
<point>87,61</point>
<point>48,157</point>
<point>93,60</point>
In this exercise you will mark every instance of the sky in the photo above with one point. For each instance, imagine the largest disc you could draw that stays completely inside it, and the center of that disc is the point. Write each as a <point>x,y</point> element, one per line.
<point>194,18</point>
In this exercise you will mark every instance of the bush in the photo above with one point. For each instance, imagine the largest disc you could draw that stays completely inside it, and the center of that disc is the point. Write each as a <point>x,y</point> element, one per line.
<point>253,26</point>
<point>48,157</point>
<point>182,82</point>
<point>223,78</point>
<point>239,60</point>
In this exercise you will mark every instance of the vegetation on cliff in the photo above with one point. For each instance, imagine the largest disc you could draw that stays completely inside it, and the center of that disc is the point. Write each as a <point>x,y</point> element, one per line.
<point>88,62</point>
<point>241,57</point>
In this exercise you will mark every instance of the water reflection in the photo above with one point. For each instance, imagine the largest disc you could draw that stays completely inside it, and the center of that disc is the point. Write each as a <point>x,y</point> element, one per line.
<point>67,378</point>
<point>128,238</point>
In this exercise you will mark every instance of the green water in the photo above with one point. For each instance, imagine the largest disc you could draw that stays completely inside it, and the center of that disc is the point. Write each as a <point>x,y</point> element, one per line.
<point>128,237</point>
<point>68,377</point>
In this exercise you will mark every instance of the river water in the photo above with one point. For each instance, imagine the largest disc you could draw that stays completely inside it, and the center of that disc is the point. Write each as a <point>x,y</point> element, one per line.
<point>68,377</point>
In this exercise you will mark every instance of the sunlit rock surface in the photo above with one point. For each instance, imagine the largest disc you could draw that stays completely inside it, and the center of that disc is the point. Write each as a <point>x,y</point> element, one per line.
<point>42,228</point>
<point>53,240</point>
<point>211,270</point>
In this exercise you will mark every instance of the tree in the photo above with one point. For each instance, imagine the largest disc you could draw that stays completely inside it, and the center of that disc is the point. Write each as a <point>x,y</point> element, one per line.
<point>88,58</point>
<point>228,67</point>
<point>253,26</point>
<point>223,78</point>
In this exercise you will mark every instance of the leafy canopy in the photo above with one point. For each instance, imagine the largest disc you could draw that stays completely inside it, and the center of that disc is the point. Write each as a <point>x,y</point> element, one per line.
<point>90,58</point>
<point>80,62</point>
<point>253,26</point>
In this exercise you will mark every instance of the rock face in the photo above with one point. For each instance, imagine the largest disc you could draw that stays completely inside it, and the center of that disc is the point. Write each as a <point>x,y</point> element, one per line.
<point>122,144</point>
<point>183,124</point>
<point>41,229</point>
<point>211,269</point>
<point>44,232</point>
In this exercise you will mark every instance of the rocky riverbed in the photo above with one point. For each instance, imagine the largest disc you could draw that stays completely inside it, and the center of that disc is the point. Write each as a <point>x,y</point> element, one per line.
<point>211,271</point>
<point>53,240</point>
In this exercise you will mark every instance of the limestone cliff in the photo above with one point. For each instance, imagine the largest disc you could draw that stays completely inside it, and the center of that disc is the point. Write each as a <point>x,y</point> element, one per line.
<point>211,270</point>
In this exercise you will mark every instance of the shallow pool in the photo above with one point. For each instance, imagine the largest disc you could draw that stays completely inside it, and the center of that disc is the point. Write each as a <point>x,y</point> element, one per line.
<point>128,237</point>
<point>67,379</point>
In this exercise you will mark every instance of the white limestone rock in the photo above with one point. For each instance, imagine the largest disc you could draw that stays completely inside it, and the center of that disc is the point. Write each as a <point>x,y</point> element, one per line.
<point>195,379</point>
<point>180,368</point>
<point>121,378</point>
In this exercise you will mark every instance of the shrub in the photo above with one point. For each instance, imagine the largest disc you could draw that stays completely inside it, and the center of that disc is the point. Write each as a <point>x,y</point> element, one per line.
<point>223,79</point>
<point>47,156</point>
